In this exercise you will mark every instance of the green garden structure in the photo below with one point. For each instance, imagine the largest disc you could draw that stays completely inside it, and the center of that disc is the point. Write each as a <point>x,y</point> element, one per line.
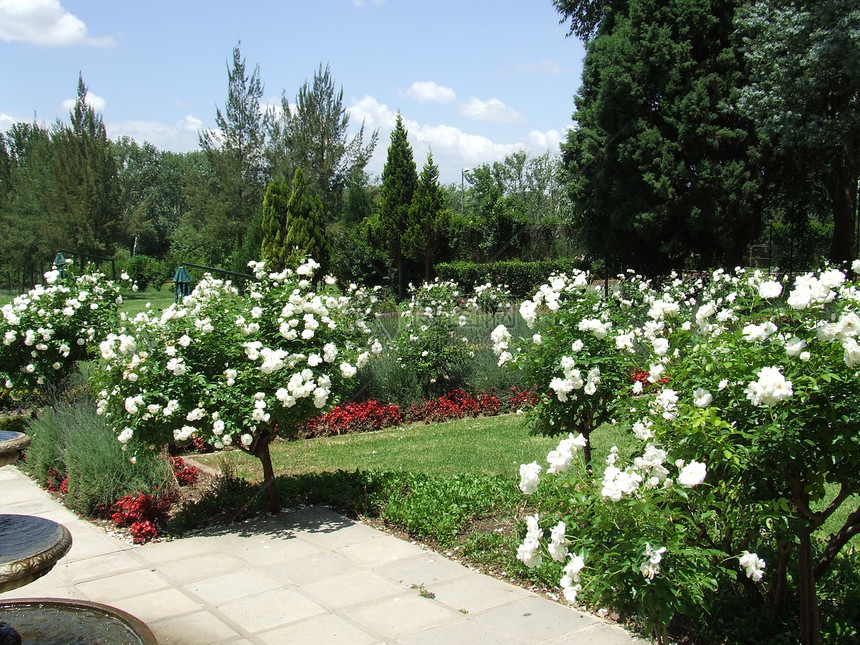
<point>181,283</point>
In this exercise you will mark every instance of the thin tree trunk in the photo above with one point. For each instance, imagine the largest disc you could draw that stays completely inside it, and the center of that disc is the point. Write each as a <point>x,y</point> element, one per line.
<point>810,630</point>
<point>262,453</point>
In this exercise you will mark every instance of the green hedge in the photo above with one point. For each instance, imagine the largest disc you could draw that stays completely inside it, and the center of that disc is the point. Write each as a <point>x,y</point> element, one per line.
<point>522,278</point>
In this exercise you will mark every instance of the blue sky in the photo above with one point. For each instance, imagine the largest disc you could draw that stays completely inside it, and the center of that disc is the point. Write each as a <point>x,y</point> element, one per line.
<point>474,79</point>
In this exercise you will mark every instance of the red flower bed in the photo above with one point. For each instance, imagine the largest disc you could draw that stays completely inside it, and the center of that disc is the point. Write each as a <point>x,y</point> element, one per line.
<point>521,400</point>
<point>641,376</point>
<point>364,416</point>
<point>367,416</point>
<point>141,514</point>
<point>186,475</point>
<point>56,481</point>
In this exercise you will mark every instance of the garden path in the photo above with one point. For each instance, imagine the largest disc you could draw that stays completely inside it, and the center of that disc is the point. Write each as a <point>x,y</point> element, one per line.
<point>309,576</point>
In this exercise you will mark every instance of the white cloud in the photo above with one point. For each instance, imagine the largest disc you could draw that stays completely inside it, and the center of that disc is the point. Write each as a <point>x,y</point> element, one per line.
<point>373,113</point>
<point>181,136</point>
<point>426,91</point>
<point>546,66</point>
<point>45,23</point>
<point>6,122</point>
<point>93,100</point>
<point>493,111</point>
<point>549,140</point>
<point>451,142</point>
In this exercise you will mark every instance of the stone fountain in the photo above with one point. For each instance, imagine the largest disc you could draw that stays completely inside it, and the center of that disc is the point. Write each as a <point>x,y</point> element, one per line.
<point>29,548</point>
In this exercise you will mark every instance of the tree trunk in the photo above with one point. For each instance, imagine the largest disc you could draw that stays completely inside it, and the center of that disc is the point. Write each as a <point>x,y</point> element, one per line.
<point>841,187</point>
<point>262,453</point>
<point>810,630</point>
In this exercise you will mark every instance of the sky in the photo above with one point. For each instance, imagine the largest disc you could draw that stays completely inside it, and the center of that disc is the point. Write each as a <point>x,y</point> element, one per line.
<point>474,80</point>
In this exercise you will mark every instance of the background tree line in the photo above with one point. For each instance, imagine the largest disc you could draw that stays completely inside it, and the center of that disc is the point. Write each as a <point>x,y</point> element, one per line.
<point>705,133</point>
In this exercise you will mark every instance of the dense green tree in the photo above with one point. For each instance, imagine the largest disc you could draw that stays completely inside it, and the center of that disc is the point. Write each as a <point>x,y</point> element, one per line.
<point>305,226</point>
<point>664,173</point>
<point>226,197</point>
<point>804,92</point>
<point>313,134</point>
<point>424,235</point>
<point>152,196</point>
<point>399,181</point>
<point>22,251</point>
<point>84,210</point>
<point>275,214</point>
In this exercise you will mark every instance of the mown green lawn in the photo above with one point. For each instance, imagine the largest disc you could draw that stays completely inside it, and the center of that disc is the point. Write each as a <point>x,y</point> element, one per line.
<point>480,446</point>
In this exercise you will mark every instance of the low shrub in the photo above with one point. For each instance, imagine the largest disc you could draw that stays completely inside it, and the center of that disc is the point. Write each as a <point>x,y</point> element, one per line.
<point>71,441</point>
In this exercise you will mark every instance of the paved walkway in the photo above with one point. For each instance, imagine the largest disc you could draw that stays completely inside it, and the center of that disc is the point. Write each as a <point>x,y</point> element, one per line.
<point>311,576</point>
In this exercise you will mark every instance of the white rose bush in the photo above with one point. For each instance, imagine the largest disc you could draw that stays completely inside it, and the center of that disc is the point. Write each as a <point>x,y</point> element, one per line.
<point>45,331</point>
<point>428,339</point>
<point>746,442</point>
<point>573,356</point>
<point>230,368</point>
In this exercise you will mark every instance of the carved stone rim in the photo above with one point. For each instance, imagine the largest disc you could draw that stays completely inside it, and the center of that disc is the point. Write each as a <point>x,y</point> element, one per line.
<point>24,571</point>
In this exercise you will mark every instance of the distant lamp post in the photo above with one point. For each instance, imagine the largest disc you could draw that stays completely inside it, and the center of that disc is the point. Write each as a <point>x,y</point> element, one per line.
<point>463,191</point>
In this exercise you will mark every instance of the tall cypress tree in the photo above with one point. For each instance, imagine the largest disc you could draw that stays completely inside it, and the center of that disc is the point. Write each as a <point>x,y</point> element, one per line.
<point>274,224</point>
<point>306,224</point>
<point>427,219</point>
<point>399,181</point>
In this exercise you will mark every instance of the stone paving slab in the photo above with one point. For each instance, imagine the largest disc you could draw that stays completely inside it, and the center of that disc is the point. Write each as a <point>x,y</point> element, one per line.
<point>308,576</point>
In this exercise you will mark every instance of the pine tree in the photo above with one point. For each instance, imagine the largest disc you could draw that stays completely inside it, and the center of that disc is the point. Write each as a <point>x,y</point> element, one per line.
<point>227,195</point>
<point>313,134</point>
<point>84,212</point>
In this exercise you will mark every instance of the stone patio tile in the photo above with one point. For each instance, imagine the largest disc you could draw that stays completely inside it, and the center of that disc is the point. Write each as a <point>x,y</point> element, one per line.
<point>156,605</point>
<point>477,593</point>
<point>199,628</point>
<point>202,567</point>
<point>534,619</point>
<point>600,633</point>
<point>327,529</point>
<point>401,616</point>
<point>83,569</point>
<point>425,569</point>
<point>269,610</point>
<point>463,632</point>
<point>230,586</point>
<point>325,629</point>
<point>380,549</point>
<point>168,551</point>
<point>312,568</point>
<point>262,552</point>
<point>122,585</point>
<point>42,588</point>
<point>351,588</point>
